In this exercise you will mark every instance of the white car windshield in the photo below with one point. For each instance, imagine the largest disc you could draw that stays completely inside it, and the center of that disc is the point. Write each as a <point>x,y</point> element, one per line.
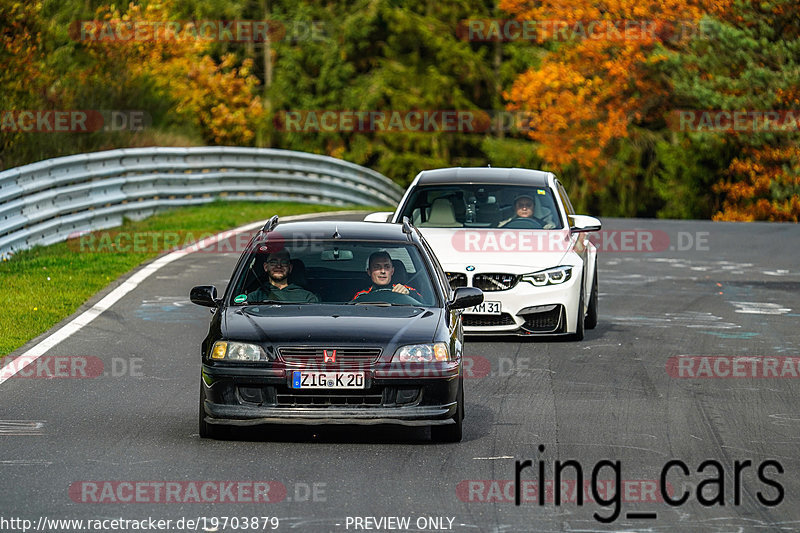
<point>483,206</point>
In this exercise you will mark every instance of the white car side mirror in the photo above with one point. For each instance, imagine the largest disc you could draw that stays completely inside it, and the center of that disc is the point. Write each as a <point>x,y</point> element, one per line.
<point>584,223</point>
<point>381,216</point>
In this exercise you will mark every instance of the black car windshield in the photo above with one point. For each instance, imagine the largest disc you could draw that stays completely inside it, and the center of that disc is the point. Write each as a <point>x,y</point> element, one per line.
<point>483,206</point>
<point>287,270</point>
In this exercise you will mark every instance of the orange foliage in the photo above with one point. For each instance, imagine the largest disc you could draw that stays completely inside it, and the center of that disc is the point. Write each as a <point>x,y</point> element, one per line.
<point>608,9</point>
<point>219,98</point>
<point>764,185</point>
<point>20,52</point>
<point>590,92</point>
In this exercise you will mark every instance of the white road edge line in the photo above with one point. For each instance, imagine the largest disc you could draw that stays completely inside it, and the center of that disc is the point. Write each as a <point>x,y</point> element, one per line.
<point>20,362</point>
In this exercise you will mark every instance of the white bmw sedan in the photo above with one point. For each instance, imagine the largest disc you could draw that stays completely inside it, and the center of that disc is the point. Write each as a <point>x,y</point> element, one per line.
<point>514,234</point>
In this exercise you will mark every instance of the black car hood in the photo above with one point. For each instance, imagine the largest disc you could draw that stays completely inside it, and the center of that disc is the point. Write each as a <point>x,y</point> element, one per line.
<point>331,325</point>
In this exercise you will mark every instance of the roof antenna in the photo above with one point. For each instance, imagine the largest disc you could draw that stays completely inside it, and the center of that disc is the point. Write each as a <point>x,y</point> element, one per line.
<point>489,165</point>
<point>336,234</point>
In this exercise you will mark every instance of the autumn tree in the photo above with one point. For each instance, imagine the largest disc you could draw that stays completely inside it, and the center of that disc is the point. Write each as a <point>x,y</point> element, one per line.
<point>23,80</point>
<point>599,97</point>
<point>384,56</point>
<point>218,96</point>
<point>747,60</point>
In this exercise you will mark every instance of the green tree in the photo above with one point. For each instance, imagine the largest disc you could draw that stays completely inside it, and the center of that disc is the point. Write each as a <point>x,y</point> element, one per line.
<point>747,60</point>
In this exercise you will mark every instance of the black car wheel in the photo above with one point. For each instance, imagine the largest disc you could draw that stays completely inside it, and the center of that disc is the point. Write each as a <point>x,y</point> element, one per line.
<point>591,313</point>
<point>452,432</point>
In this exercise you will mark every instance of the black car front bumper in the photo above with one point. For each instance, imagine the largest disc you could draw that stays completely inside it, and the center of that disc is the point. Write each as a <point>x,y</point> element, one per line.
<point>251,396</point>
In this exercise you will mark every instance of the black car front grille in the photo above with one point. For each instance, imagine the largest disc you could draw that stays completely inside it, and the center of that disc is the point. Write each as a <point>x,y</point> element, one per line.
<point>327,399</point>
<point>494,282</point>
<point>548,321</point>
<point>503,319</point>
<point>456,279</point>
<point>287,397</point>
<point>315,356</point>
<point>376,396</point>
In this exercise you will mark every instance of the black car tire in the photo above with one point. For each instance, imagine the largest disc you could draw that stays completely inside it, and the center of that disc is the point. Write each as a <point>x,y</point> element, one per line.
<point>591,314</point>
<point>206,430</point>
<point>452,432</point>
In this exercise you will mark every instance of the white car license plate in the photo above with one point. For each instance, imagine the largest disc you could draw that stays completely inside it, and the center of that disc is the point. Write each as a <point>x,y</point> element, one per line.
<point>485,308</point>
<point>327,380</point>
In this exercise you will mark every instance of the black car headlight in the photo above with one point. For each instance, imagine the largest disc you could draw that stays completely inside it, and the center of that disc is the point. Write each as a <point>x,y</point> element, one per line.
<point>422,353</point>
<point>550,276</point>
<point>237,351</point>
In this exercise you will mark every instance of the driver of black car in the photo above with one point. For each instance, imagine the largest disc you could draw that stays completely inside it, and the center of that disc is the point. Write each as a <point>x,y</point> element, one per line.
<point>380,270</point>
<point>278,266</point>
<point>523,209</point>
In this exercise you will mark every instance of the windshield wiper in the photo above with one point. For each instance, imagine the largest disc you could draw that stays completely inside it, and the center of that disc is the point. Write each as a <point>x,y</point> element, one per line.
<point>385,304</point>
<point>272,302</point>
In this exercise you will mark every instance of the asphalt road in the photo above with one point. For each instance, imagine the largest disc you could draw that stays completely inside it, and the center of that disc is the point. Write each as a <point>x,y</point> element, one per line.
<point>722,290</point>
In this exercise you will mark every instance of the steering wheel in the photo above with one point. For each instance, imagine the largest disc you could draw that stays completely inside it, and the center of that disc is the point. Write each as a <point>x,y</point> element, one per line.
<point>525,223</point>
<point>386,295</point>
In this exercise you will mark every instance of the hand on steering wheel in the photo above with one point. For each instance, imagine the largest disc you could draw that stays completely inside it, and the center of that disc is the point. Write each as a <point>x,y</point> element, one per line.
<point>400,288</point>
<point>389,295</point>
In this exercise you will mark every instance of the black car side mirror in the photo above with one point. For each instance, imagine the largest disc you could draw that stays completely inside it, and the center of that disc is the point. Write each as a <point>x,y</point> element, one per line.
<point>464,297</point>
<point>205,295</point>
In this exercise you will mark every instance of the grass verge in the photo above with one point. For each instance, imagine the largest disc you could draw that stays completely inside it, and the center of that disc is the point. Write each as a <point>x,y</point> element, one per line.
<point>46,284</point>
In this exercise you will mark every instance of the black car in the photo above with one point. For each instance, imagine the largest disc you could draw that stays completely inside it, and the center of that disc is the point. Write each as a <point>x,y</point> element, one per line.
<point>304,333</point>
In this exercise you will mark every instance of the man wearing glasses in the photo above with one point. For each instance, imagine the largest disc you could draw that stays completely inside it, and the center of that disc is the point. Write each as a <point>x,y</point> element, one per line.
<point>278,266</point>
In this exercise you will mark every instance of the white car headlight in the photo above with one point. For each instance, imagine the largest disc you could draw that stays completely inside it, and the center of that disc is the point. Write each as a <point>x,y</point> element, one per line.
<point>422,353</point>
<point>551,276</point>
<point>237,351</point>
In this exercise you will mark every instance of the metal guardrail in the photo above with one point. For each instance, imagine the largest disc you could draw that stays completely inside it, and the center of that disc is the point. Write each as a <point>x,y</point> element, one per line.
<point>46,202</point>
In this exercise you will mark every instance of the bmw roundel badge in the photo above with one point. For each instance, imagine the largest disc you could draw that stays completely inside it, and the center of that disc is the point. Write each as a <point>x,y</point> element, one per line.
<point>470,268</point>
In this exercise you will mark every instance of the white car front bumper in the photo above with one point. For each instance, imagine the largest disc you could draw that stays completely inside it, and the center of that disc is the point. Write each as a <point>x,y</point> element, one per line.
<point>526,309</point>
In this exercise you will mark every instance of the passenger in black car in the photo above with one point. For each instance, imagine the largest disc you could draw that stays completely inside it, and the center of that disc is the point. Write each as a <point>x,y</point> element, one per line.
<point>381,270</point>
<point>278,266</point>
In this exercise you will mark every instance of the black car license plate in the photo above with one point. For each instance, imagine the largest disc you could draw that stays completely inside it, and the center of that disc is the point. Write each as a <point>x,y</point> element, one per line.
<point>326,380</point>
